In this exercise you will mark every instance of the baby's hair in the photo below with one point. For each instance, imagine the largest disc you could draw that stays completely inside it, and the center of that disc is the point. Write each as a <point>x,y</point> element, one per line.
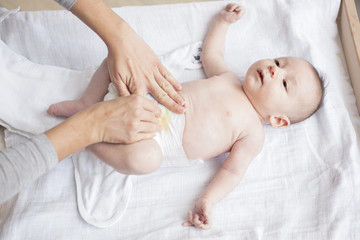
<point>321,78</point>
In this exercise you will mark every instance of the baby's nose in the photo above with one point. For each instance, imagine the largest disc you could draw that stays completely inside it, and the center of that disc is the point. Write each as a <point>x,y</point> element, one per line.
<point>271,70</point>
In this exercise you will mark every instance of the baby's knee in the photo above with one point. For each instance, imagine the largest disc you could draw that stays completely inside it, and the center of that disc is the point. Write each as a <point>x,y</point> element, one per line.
<point>145,162</point>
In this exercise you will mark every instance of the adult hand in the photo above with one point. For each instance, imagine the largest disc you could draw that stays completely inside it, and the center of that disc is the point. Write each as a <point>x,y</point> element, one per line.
<point>125,120</point>
<point>134,68</point>
<point>122,120</point>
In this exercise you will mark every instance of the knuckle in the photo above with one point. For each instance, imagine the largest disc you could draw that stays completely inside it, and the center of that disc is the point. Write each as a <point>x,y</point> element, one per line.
<point>127,138</point>
<point>131,139</point>
<point>116,81</point>
<point>137,113</point>
<point>167,75</point>
<point>165,85</point>
<point>162,95</point>
<point>137,99</point>
<point>133,126</point>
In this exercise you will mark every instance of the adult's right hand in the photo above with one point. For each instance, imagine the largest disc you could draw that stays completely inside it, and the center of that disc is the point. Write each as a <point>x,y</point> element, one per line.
<point>125,119</point>
<point>122,120</point>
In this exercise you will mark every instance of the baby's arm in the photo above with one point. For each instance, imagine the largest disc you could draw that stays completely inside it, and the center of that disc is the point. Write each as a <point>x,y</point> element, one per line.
<point>226,179</point>
<point>214,45</point>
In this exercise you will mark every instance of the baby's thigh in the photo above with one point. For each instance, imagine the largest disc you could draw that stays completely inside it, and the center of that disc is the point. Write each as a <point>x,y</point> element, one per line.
<point>137,158</point>
<point>144,156</point>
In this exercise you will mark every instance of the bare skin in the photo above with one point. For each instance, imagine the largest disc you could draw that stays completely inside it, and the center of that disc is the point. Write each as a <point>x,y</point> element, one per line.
<point>222,115</point>
<point>133,66</point>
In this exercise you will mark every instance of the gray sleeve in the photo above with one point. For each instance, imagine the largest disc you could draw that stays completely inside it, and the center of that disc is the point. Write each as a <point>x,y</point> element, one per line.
<point>24,163</point>
<point>66,3</point>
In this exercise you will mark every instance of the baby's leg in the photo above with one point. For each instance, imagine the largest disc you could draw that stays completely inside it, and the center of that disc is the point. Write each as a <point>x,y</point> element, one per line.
<point>138,158</point>
<point>94,93</point>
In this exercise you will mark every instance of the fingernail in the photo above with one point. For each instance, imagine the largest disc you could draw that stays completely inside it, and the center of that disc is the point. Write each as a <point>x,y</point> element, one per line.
<point>181,109</point>
<point>181,101</point>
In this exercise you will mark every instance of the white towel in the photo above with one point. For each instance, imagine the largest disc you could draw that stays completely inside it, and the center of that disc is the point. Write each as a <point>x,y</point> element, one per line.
<point>102,193</point>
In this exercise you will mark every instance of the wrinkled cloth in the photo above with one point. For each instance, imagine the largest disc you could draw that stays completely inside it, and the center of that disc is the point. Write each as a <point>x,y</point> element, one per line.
<point>305,182</point>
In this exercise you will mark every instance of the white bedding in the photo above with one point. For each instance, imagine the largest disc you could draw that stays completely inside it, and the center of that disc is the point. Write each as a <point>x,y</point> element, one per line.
<point>305,183</point>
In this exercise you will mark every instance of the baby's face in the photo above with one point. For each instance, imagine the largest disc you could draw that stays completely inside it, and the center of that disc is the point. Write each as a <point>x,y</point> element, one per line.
<point>285,85</point>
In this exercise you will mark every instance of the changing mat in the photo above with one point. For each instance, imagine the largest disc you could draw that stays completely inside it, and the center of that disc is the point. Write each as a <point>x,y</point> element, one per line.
<point>304,184</point>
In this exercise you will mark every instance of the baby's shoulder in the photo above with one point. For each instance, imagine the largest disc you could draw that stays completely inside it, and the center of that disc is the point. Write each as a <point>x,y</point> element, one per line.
<point>254,132</point>
<point>251,141</point>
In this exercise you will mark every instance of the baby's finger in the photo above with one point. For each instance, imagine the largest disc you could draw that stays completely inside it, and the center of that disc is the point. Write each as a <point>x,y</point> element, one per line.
<point>230,7</point>
<point>190,215</point>
<point>196,220</point>
<point>205,226</point>
<point>187,224</point>
<point>239,11</point>
<point>237,8</point>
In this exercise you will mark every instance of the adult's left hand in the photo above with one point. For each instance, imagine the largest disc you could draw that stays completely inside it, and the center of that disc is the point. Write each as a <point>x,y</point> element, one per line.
<point>134,68</point>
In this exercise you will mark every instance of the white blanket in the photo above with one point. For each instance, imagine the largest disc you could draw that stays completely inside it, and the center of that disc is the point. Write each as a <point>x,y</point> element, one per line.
<point>304,184</point>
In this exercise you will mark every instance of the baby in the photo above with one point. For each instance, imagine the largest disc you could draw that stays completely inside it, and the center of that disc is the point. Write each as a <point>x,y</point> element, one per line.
<point>222,115</point>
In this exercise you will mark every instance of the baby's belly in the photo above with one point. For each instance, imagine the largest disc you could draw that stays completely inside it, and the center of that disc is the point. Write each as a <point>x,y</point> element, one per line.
<point>211,123</point>
<point>205,136</point>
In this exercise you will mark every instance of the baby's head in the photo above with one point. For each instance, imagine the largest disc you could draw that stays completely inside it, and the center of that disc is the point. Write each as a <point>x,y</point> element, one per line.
<point>284,90</point>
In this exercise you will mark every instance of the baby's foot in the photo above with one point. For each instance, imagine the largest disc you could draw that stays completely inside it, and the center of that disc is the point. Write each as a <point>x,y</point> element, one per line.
<point>66,108</point>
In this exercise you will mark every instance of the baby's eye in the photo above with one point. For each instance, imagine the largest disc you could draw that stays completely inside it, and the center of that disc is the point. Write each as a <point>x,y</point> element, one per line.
<point>277,62</point>
<point>285,84</point>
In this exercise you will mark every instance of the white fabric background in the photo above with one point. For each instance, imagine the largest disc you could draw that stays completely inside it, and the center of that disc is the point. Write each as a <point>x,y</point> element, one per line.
<point>305,183</point>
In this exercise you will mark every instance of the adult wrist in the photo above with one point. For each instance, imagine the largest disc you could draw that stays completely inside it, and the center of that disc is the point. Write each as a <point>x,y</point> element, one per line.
<point>100,18</point>
<point>112,38</point>
<point>85,124</point>
<point>71,135</point>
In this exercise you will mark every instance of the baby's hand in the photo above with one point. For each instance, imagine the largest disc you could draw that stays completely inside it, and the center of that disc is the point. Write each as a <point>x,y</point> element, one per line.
<point>202,215</point>
<point>231,13</point>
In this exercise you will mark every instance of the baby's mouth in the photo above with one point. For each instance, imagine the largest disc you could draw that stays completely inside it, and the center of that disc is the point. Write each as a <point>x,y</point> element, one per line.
<point>261,75</point>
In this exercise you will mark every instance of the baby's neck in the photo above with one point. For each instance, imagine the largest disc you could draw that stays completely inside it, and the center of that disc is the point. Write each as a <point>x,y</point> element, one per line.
<point>262,119</point>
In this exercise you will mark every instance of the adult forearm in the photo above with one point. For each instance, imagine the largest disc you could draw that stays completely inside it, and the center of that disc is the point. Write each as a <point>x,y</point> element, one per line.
<point>24,163</point>
<point>101,19</point>
<point>76,130</point>
<point>66,3</point>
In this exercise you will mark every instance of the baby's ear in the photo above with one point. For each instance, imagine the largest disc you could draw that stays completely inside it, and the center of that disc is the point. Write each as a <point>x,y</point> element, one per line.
<point>279,121</point>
